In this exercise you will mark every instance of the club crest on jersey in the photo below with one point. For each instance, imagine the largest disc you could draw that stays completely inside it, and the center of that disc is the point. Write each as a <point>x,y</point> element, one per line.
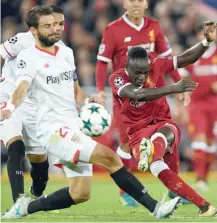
<point>101,48</point>
<point>151,35</point>
<point>12,40</point>
<point>21,64</point>
<point>119,81</point>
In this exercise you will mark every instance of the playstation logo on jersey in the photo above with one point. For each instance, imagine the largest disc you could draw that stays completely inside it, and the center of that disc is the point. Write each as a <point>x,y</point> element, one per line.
<point>119,81</point>
<point>12,40</point>
<point>21,64</point>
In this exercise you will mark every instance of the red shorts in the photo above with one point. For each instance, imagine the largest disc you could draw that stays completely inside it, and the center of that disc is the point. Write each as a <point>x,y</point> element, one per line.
<point>146,132</point>
<point>120,127</point>
<point>202,120</point>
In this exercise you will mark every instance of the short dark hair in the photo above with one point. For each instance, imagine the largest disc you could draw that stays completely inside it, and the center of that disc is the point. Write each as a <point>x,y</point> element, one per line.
<point>34,14</point>
<point>56,9</point>
<point>137,52</point>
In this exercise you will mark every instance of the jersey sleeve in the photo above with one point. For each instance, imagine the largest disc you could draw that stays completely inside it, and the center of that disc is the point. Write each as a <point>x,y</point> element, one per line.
<point>26,68</point>
<point>72,62</point>
<point>107,46</point>
<point>14,45</point>
<point>164,65</point>
<point>163,47</point>
<point>117,83</point>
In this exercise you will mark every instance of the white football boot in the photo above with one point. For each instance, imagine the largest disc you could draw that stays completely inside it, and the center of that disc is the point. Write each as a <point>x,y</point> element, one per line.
<point>165,209</point>
<point>146,152</point>
<point>19,209</point>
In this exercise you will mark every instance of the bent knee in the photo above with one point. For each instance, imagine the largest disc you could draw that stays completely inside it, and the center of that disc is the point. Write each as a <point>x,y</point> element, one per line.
<point>157,167</point>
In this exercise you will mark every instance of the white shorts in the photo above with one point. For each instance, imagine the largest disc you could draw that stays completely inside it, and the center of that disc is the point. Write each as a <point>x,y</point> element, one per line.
<point>11,127</point>
<point>68,143</point>
<point>29,130</point>
<point>80,170</point>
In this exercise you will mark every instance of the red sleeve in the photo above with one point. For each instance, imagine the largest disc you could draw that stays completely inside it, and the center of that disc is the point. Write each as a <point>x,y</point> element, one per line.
<point>107,46</point>
<point>175,75</point>
<point>164,65</point>
<point>163,47</point>
<point>101,75</point>
<point>117,83</point>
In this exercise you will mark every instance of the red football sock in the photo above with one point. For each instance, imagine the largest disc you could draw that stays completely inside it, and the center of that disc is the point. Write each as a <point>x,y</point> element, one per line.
<point>199,164</point>
<point>174,183</point>
<point>160,144</point>
<point>210,157</point>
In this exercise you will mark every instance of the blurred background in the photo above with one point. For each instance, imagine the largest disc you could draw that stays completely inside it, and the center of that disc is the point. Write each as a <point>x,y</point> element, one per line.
<point>87,19</point>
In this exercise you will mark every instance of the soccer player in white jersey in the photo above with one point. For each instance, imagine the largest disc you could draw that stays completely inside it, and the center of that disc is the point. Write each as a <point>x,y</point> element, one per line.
<point>11,130</point>
<point>49,77</point>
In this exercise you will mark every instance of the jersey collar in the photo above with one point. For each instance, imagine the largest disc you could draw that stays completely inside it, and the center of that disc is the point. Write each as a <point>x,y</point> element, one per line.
<point>45,51</point>
<point>138,28</point>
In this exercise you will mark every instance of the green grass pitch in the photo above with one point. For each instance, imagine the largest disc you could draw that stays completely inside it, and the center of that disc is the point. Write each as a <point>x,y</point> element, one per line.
<point>104,205</point>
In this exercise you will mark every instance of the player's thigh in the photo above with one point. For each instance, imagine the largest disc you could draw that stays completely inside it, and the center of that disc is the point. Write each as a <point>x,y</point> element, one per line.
<point>11,130</point>
<point>198,124</point>
<point>106,158</point>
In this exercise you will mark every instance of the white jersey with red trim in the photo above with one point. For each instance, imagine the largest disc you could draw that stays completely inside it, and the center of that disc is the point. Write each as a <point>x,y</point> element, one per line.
<point>9,51</point>
<point>51,78</point>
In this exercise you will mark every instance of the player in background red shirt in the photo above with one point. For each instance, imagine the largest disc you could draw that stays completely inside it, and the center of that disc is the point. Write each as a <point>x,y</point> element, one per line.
<point>153,136</point>
<point>132,29</point>
<point>202,113</point>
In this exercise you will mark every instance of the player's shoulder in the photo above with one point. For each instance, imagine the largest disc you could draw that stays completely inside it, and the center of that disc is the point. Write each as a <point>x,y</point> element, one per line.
<point>65,49</point>
<point>23,37</point>
<point>28,51</point>
<point>120,73</point>
<point>151,21</point>
<point>115,24</point>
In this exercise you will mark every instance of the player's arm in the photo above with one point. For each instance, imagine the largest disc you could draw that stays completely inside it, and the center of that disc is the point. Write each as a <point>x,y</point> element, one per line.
<point>82,98</point>
<point>104,56</point>
<point>19,93</point>
<point>194,53</point>
<point>80,95</point>
<point>148,94</point>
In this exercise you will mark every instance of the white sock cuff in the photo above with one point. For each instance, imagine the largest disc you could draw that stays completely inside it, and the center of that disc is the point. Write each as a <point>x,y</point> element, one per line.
<point>158,134</point>
<point>123,154</point>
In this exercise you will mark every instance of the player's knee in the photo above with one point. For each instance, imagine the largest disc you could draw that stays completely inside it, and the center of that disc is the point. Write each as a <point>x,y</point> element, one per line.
<point>79,196</point>
<point>12,140</point>
<point>37,158</point>
<point>125,147</point>
<point>157,167</point>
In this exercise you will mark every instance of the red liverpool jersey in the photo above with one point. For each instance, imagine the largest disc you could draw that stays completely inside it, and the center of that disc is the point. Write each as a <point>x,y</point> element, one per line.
<point>139,114</point>
<point>204,71</point>
<point>120,35</point>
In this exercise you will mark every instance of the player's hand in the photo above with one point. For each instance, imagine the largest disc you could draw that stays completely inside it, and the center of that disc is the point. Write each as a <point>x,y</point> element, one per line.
<point>209,30</point>
<point>184,85</point>
<point>97,99</point>
<point>1,79</point>
<point>4,112</point>
<point>185,98</point>
<point>214,87</point>
<point>102,94</point>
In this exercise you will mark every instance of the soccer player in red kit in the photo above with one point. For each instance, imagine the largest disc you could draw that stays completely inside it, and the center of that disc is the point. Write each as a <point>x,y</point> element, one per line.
<point>132,29</point>
<point>203,113</point>
<point>153,136</point>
